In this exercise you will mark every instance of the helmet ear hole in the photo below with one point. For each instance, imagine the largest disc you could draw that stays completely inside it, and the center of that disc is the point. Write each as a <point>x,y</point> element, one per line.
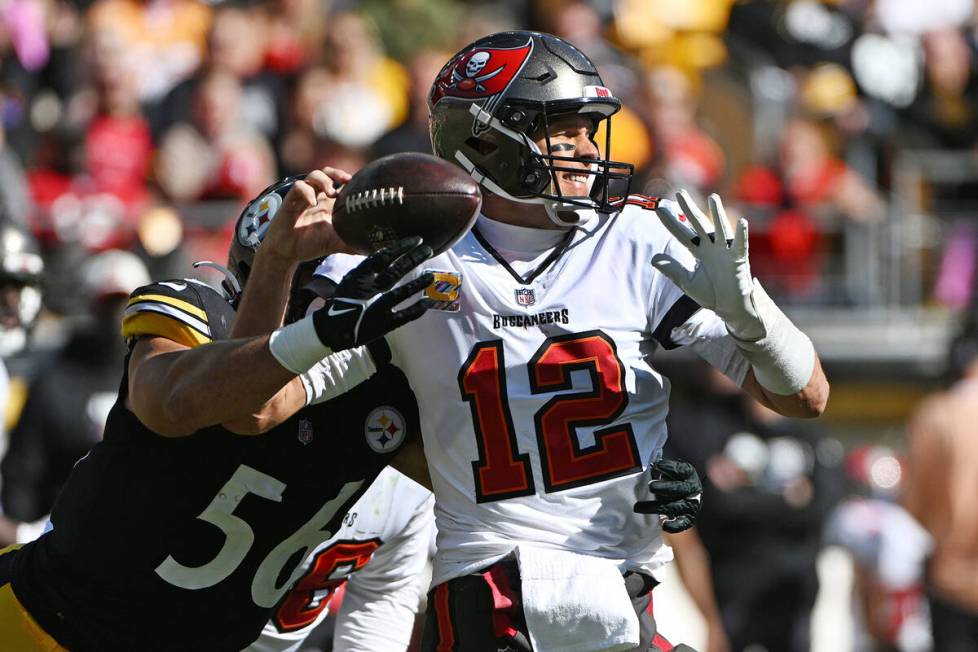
<point>534,177</point>
<point>481,145</point>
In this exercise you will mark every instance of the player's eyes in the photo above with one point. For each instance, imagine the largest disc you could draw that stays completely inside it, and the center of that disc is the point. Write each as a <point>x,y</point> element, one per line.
<point>562,147</point>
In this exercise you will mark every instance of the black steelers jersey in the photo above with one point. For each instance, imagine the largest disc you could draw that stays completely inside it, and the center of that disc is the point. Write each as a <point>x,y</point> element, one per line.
<point>188,543</point>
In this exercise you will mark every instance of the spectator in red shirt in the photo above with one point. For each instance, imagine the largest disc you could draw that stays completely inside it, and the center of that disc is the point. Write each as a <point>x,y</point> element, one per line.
<point>216,155</point>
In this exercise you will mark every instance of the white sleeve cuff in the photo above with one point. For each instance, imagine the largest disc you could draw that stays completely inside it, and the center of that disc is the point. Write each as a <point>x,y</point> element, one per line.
<point>337,373</point>
<point>297,346</point>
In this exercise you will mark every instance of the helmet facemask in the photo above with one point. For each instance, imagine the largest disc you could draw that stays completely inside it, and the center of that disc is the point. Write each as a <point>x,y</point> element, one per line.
<point>486,122</point>
<point>536,180</point>
<point>608,181</point>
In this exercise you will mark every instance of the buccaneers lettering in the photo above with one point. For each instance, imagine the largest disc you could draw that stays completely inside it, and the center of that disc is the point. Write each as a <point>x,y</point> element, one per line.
<point>526,321</point>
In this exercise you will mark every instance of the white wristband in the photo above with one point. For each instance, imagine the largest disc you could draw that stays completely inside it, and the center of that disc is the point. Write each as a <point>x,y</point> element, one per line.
<point>784,359</point>
<point>337,373</point>
<point>297,346</point>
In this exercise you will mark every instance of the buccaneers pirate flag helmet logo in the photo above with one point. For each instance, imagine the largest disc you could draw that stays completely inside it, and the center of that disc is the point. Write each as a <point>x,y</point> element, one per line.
<point>496,97</point>
<point>480,73</point>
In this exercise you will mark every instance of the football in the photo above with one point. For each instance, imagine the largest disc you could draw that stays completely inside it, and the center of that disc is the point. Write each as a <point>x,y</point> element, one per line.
<point>404,195</point>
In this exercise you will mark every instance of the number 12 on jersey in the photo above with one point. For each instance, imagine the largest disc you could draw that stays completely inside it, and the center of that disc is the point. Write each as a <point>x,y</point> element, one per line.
<point>501,470</point>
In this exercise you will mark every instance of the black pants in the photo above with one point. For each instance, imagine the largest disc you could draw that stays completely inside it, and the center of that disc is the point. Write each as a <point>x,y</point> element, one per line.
<point>767,606</point>
<point>482,612</point>
<point>955,628</point>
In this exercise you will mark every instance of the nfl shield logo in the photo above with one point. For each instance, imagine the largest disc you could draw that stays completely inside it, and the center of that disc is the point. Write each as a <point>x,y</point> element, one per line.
<point>305,431</point>
<point>525,296</point>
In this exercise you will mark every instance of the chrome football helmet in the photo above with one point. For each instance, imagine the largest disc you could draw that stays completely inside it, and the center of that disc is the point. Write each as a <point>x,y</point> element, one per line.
<point>249,231</point>
<point>498,95</point>
<point>21,273</point>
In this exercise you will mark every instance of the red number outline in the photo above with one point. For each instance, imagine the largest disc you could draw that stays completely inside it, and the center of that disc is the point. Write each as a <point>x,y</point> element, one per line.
<point>615,451</point>
<point>294,611</point>
<point>501,471</point>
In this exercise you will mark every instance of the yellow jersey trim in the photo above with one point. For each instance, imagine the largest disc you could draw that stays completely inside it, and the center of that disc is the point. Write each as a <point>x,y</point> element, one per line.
<point>153,323</point>
<point>185,306</point>
<point>20,631</point>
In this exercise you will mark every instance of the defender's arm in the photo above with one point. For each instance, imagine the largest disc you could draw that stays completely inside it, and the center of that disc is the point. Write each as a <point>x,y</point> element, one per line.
<point>176,390</point>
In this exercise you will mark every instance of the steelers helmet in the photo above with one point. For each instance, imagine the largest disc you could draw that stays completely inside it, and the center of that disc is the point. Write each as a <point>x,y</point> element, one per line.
<point>21,272</point>
<point>249,231</point>
<point>498,95</point>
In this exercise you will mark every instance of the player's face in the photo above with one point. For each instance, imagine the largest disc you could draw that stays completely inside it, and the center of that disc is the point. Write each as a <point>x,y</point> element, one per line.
<point>571,136</point>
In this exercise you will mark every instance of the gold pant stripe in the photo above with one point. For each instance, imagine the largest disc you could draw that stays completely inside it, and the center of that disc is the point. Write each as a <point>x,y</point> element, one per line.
<point>18,630</point>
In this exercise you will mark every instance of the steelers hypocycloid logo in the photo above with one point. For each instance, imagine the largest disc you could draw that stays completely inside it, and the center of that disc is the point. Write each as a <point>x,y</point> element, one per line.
<point>258,218</point>
<point>384,429</point>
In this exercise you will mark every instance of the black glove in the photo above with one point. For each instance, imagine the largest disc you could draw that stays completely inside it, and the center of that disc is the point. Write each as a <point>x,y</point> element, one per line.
<point>676,488</point>
<point>362,309</point>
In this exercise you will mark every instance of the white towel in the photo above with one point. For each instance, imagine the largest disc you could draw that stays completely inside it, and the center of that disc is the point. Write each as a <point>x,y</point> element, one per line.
<point>575,603</point>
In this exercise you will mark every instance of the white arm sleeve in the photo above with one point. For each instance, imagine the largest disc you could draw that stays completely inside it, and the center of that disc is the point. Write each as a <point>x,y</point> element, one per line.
<point>706,335</point>
<point>337,373</point>
<point>382,598</point>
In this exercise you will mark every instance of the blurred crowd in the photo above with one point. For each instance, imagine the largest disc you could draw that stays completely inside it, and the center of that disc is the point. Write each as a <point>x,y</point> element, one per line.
<point>133,131</point>
<point>143,124</point>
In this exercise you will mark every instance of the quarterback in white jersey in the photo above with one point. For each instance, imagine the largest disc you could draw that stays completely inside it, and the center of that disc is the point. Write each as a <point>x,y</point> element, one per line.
<point>379,554</point>
<point>539,410</point>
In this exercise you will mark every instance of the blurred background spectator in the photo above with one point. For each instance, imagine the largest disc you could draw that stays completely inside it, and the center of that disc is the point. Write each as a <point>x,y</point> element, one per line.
<point>21,273</point>
<point>846,130</point>
<point>692,562</point>
<point>941,493</point>
<point>216,153</point>
<point>888,549</point>
<point>70,397</point>
<point>768,484</point>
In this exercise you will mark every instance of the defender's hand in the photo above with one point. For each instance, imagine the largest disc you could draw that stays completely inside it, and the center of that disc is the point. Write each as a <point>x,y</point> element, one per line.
<point>677,489</point>
<point>721,279</point>
<point>302,228</point>
<point>363,307</point>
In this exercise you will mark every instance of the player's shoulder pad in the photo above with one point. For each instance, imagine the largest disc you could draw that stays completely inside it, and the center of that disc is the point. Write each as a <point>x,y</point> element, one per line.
<point>637,221</point>
<point>186,311</point>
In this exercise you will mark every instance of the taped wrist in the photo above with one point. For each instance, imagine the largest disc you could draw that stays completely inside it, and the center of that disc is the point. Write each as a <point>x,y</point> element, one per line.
<point>784,358</point>
<point>337,373</point>
<point>297,347</point>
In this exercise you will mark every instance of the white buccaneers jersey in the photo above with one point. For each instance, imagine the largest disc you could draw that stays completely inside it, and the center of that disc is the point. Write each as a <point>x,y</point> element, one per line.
<point>380,554</point>
<point>539,410</point>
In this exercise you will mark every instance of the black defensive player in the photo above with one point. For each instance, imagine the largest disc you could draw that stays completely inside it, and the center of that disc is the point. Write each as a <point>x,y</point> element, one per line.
<point>180,532</point>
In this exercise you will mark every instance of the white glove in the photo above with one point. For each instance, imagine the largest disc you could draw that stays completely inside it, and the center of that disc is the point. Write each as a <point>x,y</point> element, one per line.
<point>782,356</point>
<point>721,280</point>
